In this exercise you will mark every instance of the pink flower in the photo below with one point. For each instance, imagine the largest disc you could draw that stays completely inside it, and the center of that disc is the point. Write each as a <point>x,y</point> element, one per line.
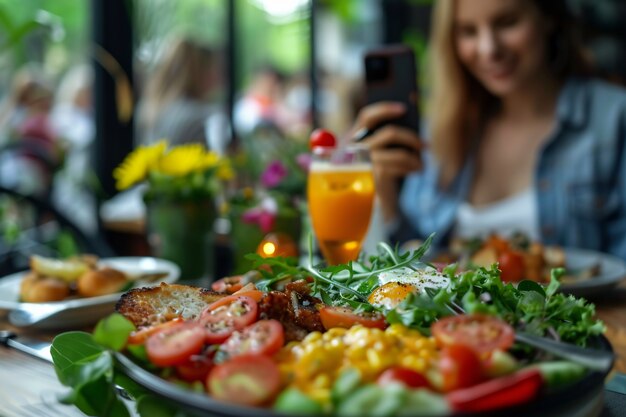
<point>264,215</point>
<point>304,161</point>
<point>273,174</point>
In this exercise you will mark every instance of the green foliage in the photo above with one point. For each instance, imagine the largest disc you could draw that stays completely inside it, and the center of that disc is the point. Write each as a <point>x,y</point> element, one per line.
<point>66,245</point>
<point>29,29</point>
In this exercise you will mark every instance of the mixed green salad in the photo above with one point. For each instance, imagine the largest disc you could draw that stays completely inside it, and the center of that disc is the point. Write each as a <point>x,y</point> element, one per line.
<point>392,336</point>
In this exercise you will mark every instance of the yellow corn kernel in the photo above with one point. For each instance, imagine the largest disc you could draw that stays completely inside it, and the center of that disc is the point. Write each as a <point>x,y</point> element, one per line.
<point>322,381</point>
<point>312,337</point>
<point>320,395</point>
<point>374,360</point>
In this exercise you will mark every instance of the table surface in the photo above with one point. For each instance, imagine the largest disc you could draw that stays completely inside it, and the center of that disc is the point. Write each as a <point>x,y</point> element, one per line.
<point>29,387</point>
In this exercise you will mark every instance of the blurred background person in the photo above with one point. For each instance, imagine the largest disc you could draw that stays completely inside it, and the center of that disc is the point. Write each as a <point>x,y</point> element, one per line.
<point>260,106</point>
<point>72,116</point>
<point>520,138</point>
<point>29,152</point>
<point>73,122</point>
<point>179,96</point>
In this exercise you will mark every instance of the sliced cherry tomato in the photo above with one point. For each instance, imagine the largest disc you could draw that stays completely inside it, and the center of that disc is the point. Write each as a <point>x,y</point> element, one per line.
<point>139,337</point>
<point>195,369</point>
<point>322,138</point>
<point>460,367</point>
<point>265,337</point>
<point>482,333</point>
<point>224,316</point>
<point>229,285</point>
<point>345,317</point>
<point>250,379</point>
<point>512,267</point>
<point>518,388</point>
<point>175,345</point>
<point>256,295</point>
<point>406,376</point>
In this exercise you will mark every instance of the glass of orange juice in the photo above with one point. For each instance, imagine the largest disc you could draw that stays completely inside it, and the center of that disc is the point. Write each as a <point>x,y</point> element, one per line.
<point>340,194</point>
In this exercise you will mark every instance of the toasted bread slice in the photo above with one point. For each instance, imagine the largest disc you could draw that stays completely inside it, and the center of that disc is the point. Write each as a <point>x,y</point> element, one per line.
<point>153,305</point>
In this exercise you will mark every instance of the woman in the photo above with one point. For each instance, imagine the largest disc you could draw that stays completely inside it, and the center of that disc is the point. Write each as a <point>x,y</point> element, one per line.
<point>177,101</point>
<point>520,138</point>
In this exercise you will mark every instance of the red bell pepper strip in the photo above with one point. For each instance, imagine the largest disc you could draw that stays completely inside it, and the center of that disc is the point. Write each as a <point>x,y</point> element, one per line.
<point>518,388</point>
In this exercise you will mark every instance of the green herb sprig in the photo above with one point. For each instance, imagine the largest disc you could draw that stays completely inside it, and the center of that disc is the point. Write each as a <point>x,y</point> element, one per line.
<point>349,284</point>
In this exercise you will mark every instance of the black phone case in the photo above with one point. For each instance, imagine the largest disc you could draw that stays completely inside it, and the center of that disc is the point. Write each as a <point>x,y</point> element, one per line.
<point>398,82</point>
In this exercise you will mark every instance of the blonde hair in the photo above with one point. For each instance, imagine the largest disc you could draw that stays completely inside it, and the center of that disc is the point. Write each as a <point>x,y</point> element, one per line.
<point>177,75</point>
<point>459,103</point>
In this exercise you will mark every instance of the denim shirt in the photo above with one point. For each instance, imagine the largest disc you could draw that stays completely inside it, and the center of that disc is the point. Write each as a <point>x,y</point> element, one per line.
<point>580,178</point>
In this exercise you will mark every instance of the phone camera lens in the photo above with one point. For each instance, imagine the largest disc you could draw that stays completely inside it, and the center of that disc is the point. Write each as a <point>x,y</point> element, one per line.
<point>376,68</point>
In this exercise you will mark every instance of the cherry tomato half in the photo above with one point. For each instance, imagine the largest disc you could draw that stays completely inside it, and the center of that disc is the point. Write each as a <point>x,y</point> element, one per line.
<point>140,336</point>
<point>480,332</point>
<point>265,337</point>
<point>224,316</point>
<point>175,345</point>
<point>507,391</point>
<point>322,138</point>
<point>345,317</point>
<point>250,379</point>
<point>460,367</point>
<point>512,267</point>
<point>406,376</point>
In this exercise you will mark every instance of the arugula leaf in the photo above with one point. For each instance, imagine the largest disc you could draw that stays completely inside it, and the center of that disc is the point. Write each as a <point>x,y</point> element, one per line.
<point>352,283</point>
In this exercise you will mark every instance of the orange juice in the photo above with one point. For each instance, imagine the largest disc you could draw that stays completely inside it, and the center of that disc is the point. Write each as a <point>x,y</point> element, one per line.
<point>340,203</point>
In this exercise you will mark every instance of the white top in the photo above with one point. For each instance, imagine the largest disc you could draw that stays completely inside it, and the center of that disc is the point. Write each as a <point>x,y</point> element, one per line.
<point>517,213</point>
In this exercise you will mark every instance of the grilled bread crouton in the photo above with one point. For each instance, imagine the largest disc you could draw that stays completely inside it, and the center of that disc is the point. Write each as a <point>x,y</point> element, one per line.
<point>153,305</point>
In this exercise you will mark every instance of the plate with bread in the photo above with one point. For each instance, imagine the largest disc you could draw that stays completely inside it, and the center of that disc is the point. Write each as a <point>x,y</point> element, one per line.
<point>78,291</point>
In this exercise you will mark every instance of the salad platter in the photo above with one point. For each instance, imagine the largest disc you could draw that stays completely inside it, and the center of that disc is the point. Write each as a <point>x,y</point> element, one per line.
<point>385,336</point>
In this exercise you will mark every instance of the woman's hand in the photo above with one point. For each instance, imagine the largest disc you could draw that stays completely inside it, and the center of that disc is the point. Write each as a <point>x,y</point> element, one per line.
<point>395,151</point>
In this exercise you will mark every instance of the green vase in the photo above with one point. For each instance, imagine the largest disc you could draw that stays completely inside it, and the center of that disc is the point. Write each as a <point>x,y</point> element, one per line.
<point>182,232</point>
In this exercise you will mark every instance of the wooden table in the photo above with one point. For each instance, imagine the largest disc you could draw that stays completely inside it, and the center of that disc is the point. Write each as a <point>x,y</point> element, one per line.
<point>28,386</point>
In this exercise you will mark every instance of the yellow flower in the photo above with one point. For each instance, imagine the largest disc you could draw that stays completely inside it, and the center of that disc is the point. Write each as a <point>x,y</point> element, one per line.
<point>210,160</point>
<point>137,164</point>
<point>225,171</point>
<point>183,160</point>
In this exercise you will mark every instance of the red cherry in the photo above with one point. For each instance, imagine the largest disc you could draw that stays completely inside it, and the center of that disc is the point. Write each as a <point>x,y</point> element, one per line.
<point>322,138</point>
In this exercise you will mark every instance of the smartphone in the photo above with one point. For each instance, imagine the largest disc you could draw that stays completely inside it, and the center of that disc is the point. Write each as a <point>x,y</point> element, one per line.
<point>391,75</point>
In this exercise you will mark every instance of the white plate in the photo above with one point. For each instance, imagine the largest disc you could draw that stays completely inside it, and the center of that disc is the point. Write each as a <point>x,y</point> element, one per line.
<point>612,272</point>
<point>84,311</point>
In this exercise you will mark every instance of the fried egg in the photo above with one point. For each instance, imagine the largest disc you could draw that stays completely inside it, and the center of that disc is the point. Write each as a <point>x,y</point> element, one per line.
<point>420,279</point>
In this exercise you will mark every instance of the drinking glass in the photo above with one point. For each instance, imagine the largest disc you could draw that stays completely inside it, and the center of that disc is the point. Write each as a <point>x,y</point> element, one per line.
<point>340,193</point>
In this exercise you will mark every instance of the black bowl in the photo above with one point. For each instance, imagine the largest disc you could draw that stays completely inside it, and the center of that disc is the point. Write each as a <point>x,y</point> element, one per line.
<point>582,398</point>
